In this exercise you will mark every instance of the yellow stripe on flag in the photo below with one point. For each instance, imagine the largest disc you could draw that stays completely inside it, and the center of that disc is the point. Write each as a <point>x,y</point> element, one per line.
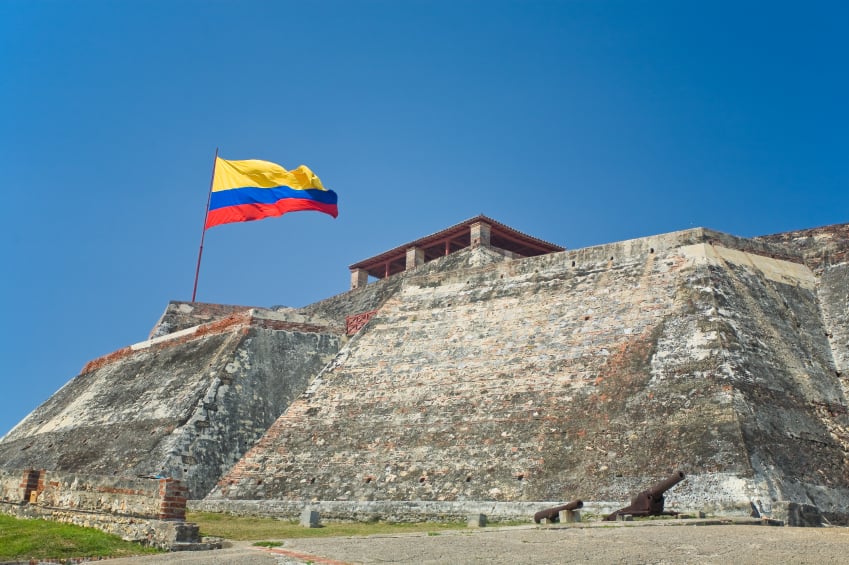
<point>261,174</point>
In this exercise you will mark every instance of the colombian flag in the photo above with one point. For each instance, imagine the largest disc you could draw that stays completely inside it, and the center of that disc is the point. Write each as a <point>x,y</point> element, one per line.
<point>252,190</point>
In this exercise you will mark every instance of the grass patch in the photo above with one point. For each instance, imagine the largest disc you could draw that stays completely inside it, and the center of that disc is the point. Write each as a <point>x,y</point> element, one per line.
<point>268,543</point>
<point>245,528</point>
<point>507,523</point>
<point>42,539</point>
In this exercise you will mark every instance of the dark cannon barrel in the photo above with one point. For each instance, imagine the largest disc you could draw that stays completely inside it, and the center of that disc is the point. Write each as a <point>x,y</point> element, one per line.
<point>551,513</point>
<point>667,483</point>
<point>650,501</point>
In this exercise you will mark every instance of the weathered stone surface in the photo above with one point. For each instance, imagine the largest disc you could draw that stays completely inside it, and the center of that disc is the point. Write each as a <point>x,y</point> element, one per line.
<point>310,518</point>
<point>374,295</point>
<point>486,383</point>
<point>183,315</point>
<point>187,405</point>
<point>569,516</point>
<point>819,247</point>
<point>589,373</point>
<point>826,251</point>
<point>476,521</point>
<point>795,514</point>
<point>145,510</point>
<point>139,497</point>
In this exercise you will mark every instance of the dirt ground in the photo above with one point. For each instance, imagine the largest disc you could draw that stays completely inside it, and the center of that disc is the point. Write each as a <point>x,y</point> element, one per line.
<point>654,542</point>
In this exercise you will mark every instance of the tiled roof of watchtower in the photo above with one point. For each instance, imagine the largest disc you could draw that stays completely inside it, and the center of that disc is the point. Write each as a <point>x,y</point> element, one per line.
<point>453,239</point>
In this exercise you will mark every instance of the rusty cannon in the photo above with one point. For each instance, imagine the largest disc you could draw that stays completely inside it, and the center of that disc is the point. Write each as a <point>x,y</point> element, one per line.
<point>553,514</point>
<point>650,502</point>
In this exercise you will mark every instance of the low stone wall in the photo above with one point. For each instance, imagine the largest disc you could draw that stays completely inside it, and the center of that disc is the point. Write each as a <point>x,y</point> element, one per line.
<point>788,513</point>
<point>383,510</point>
<point>394,510</point>
<point>151,511</point>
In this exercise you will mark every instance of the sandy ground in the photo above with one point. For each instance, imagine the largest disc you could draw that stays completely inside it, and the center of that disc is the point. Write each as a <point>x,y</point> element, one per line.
<point>666,543</point>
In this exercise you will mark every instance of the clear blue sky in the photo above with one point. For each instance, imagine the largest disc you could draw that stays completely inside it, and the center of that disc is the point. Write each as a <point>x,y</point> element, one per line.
<point>578,122</point>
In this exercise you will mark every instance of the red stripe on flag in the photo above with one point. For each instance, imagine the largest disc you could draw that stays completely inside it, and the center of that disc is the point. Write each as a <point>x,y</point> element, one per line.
<point>250,212</point>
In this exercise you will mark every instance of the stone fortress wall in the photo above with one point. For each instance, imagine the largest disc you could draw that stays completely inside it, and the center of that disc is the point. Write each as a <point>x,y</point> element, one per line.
<point>186,405</point>
<point>484,381</point>
<point>826,251</point>
<point>586,374</point>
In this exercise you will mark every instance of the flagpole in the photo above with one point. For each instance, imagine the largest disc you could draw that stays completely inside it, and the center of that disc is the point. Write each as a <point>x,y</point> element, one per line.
<point>203,233</point>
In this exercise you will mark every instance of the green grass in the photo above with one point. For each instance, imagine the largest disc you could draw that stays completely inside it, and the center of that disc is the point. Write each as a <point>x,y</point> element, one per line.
<point>43,539</point>
<point>507,523</point>
<point>268,543</point>
<point>243,528</point>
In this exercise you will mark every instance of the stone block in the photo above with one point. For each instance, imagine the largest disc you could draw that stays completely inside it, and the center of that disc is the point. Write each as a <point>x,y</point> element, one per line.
<point>480,233</point>
<point>476,520</point>
<point>569,516</point>
<point>796,514</point>
<point>310,518</point>
<point>359,278</point>
<point>415,257</point>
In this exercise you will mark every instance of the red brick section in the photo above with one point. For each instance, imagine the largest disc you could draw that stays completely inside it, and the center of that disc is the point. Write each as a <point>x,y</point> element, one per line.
<point>355,323</point>
<point>212,328</point>
<point>200,313</point>
<point>32,481</point>
<point>172,496</point>
<point>243,319</point>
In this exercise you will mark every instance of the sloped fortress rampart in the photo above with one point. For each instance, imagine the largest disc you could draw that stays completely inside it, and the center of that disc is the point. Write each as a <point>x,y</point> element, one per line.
<point>185,405</point>
<point>486,379</point>
<point>576,374</point>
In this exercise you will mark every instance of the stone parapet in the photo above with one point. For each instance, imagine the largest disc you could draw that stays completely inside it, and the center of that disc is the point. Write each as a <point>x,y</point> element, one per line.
<point>182,315</point>
<point>362,299</point>
<point>147,510</point>
<point>160,498</point>
<point>258,318</point>
<point>820,247</point>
